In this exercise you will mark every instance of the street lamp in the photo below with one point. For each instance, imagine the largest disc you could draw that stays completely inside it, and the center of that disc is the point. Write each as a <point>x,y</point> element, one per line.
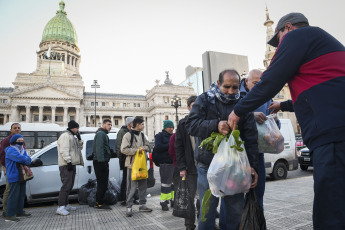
<point>95,85</point>
<point>176,102</point>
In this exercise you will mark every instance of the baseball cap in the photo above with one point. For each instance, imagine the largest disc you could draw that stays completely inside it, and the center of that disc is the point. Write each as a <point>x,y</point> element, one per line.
<point>293,18</point>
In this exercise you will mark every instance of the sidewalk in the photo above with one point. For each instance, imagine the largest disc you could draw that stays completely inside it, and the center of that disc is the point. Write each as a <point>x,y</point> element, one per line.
<point>287,203</point>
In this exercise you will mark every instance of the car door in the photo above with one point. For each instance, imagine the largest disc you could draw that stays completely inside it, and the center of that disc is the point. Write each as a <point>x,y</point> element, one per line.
<point>46,183</point>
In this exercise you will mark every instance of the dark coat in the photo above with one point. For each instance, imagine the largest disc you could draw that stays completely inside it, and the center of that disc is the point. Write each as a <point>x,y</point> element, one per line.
<point>203,120</point>
<point>101,148</point>
<point>122,157</point>
<point>161,150</point>
<point>184,150</point>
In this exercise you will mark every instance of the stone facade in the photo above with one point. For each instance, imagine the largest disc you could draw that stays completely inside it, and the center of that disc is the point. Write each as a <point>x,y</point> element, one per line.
<point>55,92</point>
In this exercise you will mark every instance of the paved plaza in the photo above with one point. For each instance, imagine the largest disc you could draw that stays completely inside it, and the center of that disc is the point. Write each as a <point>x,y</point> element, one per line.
<point>288,205</point>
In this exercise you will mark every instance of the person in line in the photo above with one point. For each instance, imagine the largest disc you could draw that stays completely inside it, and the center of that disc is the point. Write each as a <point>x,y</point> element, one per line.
<point>131,142</point>
<point>69,148</point>
<point>122,157</point>
<point>312,62</point>
<point>16,155</point>
<point>101,158</point>
<point>209,114</point>
<point>166,168</point>
<point>15,129</point>
<point>185,145</point>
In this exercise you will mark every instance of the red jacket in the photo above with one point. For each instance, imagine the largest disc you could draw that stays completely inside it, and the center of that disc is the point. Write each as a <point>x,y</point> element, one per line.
<point>3,145</point>
<point>172,151</point>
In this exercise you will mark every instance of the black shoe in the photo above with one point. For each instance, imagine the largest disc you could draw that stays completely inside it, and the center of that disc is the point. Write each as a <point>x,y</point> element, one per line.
<point>123,203</point>
<point>24,214</point>
<point>103,207</point>
<point>165,205</point>
<point>171,203</point>
<point>136,202</point>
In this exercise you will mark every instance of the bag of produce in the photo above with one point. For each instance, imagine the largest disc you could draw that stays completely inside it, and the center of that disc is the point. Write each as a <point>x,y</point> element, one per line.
<point>270,140</point>
<point>229,172</point>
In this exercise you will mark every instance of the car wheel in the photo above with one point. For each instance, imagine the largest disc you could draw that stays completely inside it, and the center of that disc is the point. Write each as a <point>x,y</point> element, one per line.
<point>279,171</point>
<point>2,190</point>
<point>303,167</point>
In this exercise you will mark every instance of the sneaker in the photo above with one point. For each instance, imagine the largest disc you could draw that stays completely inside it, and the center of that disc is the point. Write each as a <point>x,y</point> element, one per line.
<point>24,214</point>
<point>165,205</point>
<point>103,207</point>
<point>136,202</point>
<point>70,208</point>
<point>62,211</point>
<point>129,212</point>
<point>11,219</point>
<point>144,208</point>
<point>123,203</point>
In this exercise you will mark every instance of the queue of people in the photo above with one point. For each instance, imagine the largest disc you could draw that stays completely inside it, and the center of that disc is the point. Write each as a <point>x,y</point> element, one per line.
<point>308,58</point>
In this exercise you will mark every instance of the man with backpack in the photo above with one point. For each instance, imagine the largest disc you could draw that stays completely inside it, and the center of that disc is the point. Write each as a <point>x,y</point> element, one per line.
<point>131,142</point>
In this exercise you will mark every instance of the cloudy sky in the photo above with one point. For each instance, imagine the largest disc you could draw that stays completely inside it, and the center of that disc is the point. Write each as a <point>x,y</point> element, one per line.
<point>127,44</point>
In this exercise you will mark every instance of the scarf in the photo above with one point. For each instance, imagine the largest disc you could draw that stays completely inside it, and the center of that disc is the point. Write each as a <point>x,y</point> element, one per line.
<point>19,148</point>
<point>215,91</point>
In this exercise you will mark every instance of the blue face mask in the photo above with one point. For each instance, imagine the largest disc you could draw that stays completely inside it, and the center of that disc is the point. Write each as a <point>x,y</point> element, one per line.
<point>19,143</point>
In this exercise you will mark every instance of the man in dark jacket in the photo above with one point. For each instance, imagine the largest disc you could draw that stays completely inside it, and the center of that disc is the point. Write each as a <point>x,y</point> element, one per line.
<point>184,146</point>
<point>101,158</point>
<point>209,114</point>
<point>162,159</point>
<point>122,157</point>
<point>312,62</point>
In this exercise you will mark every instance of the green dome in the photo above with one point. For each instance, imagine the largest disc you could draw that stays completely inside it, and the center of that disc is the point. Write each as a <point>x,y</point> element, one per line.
<point>59,28</point>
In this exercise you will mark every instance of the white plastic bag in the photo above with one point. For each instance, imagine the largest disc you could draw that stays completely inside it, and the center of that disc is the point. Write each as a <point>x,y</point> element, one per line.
<point>229,172</point>
<point>270,140</point>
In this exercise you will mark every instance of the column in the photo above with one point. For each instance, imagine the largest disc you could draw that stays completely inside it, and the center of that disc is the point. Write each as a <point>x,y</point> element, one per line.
<point>5,118</point>
<point>77,114</point>
<point>53,113</point>
<point>40,114</point>
<point>112,120</point>
<point>86,120</point>
<point>101,119</point>
<point>65,118</point>
<point>27,107</point>
<point>14,114</point>
<point>123,120</point>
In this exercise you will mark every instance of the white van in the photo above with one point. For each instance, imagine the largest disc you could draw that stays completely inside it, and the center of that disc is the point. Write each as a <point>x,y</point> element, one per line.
<point>47,183</point>
<point>278,165</point>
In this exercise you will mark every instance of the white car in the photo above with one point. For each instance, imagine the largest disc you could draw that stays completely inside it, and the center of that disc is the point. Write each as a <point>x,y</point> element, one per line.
<point>47,183</point>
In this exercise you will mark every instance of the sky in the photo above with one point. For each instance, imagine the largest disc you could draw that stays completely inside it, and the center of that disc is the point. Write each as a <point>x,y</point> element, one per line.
<point>127,44</point>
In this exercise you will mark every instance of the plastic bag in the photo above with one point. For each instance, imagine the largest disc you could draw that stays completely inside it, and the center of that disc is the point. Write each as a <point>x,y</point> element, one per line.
<point>110,196</point>
<point>184,202</point>
<point>270,140</point>
<point>253,217</point>
<point>229,172</point>
<point>116,184</point>
<point>139,169</point>
<point>85,191</point>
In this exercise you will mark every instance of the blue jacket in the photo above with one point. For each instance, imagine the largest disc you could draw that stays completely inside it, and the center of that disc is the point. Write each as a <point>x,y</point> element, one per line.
<point>312,62</point>
<point>203,119</point>
<point>12,158</point>
<point>161,149</point>
<point>263,108</point>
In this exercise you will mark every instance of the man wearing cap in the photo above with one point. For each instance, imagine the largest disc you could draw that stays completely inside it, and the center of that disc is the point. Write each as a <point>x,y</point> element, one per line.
<point>15,129</point>
<point>122,157</point>
<point>69,147</point>
<point>162,159</point>
<point>312,62</point>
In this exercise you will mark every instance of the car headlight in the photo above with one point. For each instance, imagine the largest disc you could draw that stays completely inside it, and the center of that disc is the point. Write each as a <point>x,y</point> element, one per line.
<point>299,153</point>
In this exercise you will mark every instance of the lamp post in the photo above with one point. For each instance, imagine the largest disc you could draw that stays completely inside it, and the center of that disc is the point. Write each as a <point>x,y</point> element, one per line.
<point>95,85</point>
<point>176,102</point>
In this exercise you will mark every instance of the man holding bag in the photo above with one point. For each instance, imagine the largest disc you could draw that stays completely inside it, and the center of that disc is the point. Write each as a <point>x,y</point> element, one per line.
<point>131,143</point>
<point>209,114</point>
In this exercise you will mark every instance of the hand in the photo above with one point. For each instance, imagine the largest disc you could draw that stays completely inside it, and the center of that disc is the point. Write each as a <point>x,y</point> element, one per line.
<point>69,166</point>
<point>233,120</point>
<point>78,135</point>
<point>260,117</point>
<point>254,179</point>
<point>223,128</point>
<point>274,106</point>
<point>183,173</point>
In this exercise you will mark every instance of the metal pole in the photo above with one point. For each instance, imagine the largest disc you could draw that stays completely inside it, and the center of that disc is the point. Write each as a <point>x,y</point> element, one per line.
<point>95,85</point>
<point>95,109</point>
<point>176,105</point>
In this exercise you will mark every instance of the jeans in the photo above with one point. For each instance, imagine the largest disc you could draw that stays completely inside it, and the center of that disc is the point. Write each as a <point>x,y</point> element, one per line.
<point>260,188</point>
<point>16,197</point>
<point>329,186</point>
<point>102,176</point>
<point>67,179</point>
